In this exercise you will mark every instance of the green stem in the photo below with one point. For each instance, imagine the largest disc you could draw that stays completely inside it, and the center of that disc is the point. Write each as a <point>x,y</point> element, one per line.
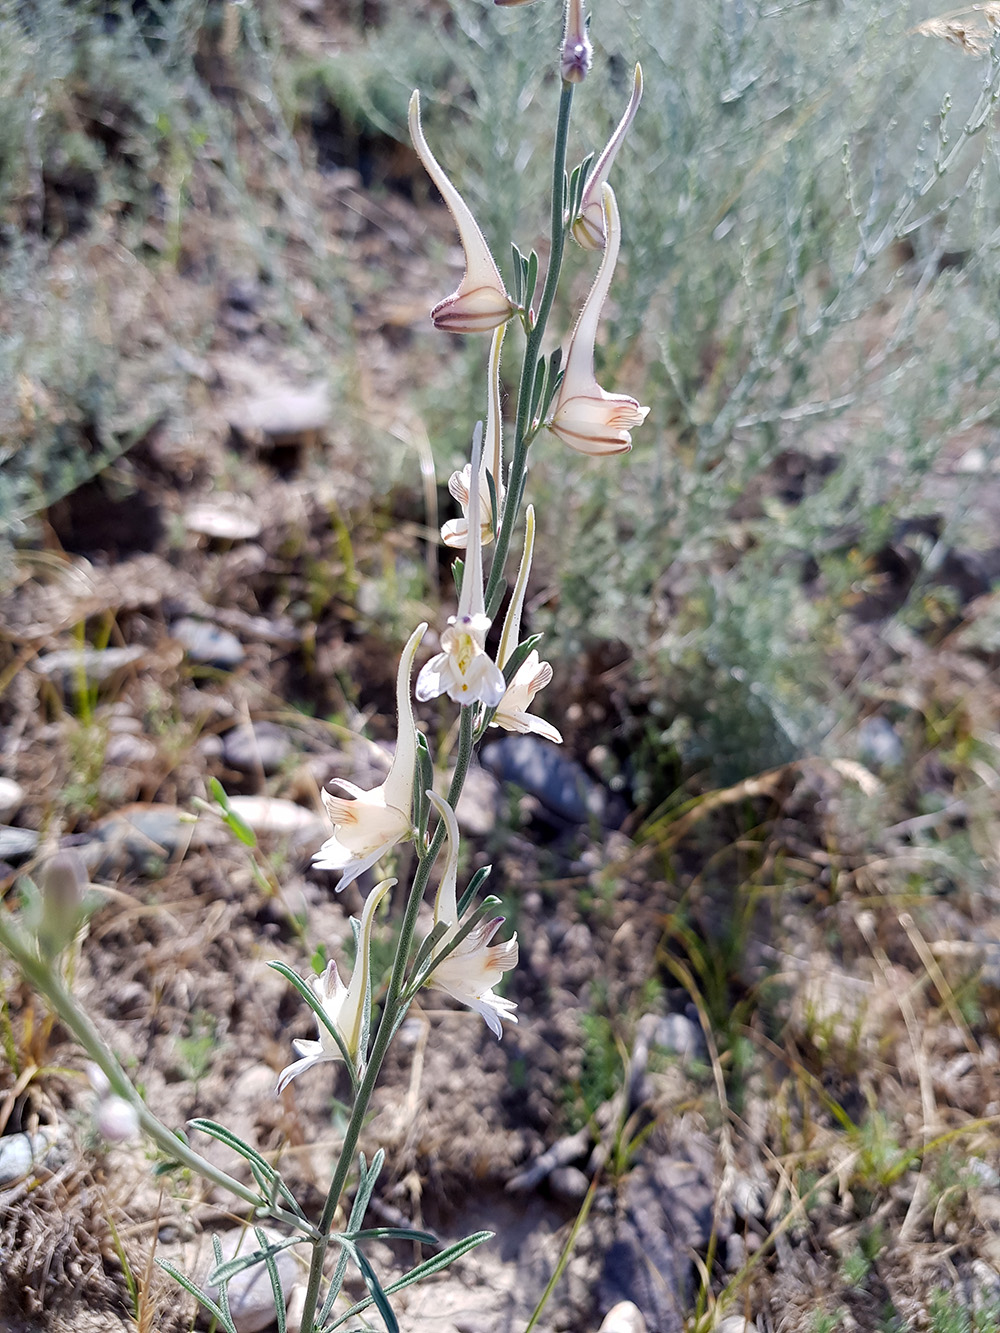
<point>387,1024</point>
<point>532,348</point>
<point>43,978</point>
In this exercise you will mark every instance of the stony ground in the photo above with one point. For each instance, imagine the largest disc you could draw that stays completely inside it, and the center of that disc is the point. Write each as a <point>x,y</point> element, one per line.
<point>756,1057</point>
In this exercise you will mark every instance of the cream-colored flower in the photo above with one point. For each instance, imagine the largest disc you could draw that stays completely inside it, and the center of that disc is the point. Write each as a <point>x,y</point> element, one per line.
<point>588,227</point>
<point>456,532</point>
<point>585,417</point>
<point>475,966</point>
<point>462,669</point>
<point>371,824</point>
<point>344,1006</point>
<point>532,675</point>
<point>480,301</point>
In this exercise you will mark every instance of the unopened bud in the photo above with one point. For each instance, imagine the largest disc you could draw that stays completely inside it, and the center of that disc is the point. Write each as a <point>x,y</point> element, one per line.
<point>62,883</point>
<point>577,52</point>
<point>117,1120</point>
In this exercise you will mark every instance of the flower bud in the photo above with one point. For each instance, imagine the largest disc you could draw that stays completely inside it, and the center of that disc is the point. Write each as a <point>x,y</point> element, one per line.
<point>117,1120</point>
<point>62,883</point>
<point>577,53</point>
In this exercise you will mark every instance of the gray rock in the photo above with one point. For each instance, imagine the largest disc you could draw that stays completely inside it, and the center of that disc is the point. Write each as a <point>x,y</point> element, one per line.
<point>666,1211</point>
<point>878,743</point>
<point>681,1036</point>
<point>11,798</point>
<point>140,838</point>
<point>20,1154</point>
<point>69,667</point>
<point>283,411</point>
<point>735,1323</point>
<point>559,783</point>
<point>125,750</point>
<point>207,644</point>
<point>251,1300</point>
<point>256,747</point>
<point>17,844</point>
<point>226,518</point>
<point>569,1183</point>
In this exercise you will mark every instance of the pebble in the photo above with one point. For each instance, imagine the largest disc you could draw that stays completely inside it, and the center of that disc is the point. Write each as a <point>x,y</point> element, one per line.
<point>251,1300</point>
<point>559,783</point>
<point>207,644</point>
<point>281,818</point>
<point>681,1036</point>
<point>623,1318</point>
<point>569,1184</point>
<point>19,1154</point>
<point>70,667</point>
<point>878,743</point>
<point>17,844</point>
<point>140,837</point>
<point>286,412</point>
<point>11,798</point>
<point>225,519</point>
<point>256,747</point>
<point>126,750</point>
<point>735,1323</point>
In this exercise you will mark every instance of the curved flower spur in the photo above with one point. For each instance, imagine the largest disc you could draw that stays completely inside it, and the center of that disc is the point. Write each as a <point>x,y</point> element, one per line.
<point>585,417</point>
<point>373,822</point>
<point>588,228</point>
<point>480,302</point>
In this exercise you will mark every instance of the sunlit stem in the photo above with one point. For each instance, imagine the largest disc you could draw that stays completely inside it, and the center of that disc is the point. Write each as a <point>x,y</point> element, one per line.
<point>532,348</point>
<point>43,978</point>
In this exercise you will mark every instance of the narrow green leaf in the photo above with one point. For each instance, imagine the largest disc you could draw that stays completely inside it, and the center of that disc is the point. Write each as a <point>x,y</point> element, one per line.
<point>192,1290</point>
<point>541,370</point>
<point>394,1233</point>
<point>376,1292</point>
<point>531,279</point>
<point>472,888</point>
<point>227,1318</point>
<point>225,1272</point>
<point>218,793</point>
<point>264,1173</point>
<point>275,1277</point>
<point>423,782</point>
<point>457,570</point>
<point>518,274</point>
<point>494,500</point>
<point>241,828</point>
<point>427,1269</point>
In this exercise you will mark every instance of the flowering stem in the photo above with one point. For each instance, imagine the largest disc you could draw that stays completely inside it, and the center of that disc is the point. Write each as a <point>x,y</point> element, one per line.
<point>532,348</point>
<point>43,978</point>
<point>387,1024</point>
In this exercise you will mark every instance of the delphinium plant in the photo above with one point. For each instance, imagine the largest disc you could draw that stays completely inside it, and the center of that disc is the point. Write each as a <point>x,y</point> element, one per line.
<point>555,398</point>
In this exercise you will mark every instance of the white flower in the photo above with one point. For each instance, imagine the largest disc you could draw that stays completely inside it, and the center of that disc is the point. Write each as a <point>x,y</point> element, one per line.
<point>588,227</point>
<point>462,670</point>
<point>474,967</point>
<point>345,1006</point>
<point>532,675</point>
<point>585,417</point>
<point>480,302</point>
<point>371,824</point>
<point>455,533</point>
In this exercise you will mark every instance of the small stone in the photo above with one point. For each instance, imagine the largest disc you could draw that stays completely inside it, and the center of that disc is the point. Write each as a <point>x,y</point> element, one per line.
<point>569,1183</point>
<point>623,1318</point>
<point>124,750</point>
<point>141,837</point>
<point>735,1323</point>
<point>11,798</point>
<point>285,412</point>
<point>257,747</point>
<point>207,644</point>
<point>878,743</point>
<point>17,844</point>
<point>227,519</point>
<point>251,1300</point>
<point>274,816</point>
<point>559,783</point>
<point>20,1154</point>
<point>73,667</point>
<point>679,1035</point>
